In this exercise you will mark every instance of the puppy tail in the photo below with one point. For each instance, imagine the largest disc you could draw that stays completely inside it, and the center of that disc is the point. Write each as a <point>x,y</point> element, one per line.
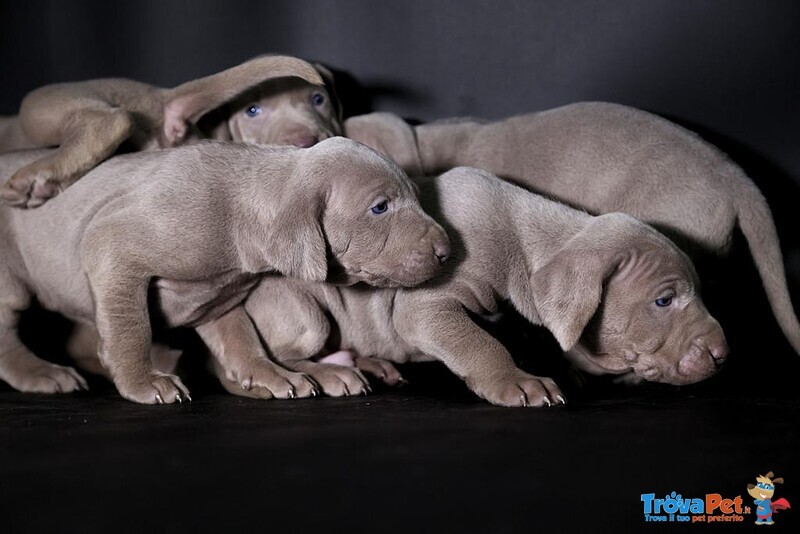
<point>755,221</point>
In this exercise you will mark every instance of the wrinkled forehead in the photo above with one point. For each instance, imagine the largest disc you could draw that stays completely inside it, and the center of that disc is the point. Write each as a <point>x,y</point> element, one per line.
<point>657,260</point>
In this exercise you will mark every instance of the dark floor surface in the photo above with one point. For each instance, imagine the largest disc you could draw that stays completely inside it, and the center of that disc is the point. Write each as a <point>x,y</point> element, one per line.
<point>428,457</point>
<point>424,458</point>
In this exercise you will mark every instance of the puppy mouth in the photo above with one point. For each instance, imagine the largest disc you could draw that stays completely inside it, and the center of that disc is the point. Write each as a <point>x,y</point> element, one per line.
<point>401,277</point>
<point>377,280</point>
<point>651,373</point>
<point>596,364</point>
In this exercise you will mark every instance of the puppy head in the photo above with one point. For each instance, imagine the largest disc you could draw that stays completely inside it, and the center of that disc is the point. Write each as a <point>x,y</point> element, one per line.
<point>207,99</point>
<point>286,111</point>
<point>622,298</point>
<point>372,221</point>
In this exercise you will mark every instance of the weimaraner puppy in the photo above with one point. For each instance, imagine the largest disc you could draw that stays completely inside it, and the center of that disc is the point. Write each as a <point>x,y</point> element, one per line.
<point>267,100</point>
<point>617,295</point>
<point>190,231</point>
<point>603,158</point>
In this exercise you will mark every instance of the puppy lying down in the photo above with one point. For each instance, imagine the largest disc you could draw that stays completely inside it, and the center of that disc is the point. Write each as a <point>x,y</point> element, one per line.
<point>605,158</point>
<point>618,296</point>
<point>267,100</point>
<point>190,231</point>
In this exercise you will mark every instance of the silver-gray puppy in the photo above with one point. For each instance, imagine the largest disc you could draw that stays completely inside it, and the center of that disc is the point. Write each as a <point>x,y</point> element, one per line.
<point>190,231</point>
<point>604,158</point>
<point>618,296</point>
<point>267,100</point>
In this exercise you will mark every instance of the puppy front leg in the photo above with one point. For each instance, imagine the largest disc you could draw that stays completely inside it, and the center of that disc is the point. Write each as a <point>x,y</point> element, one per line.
<point>123,323</point>
<point>242,364</point>
<point>443,329</point>
<point>383,370</point>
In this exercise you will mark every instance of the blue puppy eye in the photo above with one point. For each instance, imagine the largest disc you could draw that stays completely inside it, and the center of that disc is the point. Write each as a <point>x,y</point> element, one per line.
<point>381,207</point>
<point>663,302</point>
<point>253,110</point>
<point>317,99</point>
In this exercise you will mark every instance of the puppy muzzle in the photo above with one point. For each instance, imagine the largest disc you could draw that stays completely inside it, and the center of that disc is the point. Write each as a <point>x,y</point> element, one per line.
<point>425,260</point>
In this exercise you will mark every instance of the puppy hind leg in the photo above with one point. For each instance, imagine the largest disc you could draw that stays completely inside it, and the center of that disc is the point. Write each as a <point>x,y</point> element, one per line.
<point>89,137</point>
<point>19,367</point>
<point>24,371</point>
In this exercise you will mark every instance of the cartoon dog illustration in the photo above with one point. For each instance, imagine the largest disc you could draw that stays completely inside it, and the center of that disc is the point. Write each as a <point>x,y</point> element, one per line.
<point>762,492</point>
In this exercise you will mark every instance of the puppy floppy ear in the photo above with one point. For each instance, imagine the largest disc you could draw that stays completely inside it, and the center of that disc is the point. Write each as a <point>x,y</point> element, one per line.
<point>291,242</point>
<point>330,85</point>
<point>390,135</point>
<point>186,104</point>
<point>568,289</point>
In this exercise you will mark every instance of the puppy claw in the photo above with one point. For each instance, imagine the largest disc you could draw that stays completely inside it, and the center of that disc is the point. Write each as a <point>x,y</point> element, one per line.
<point>178,398</point>
<point>523,400</point>
<point>547,401</point>
<point>291,393</point>
<point>159,400</point>
<point>561,399</point>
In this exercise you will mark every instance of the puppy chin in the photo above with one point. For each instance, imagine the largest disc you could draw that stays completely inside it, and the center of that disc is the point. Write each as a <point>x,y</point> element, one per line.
<point>588,362</point>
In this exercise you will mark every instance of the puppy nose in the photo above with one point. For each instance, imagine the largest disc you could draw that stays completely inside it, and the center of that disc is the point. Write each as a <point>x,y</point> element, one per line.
<point>442,249</point>
<point>715,345</point>
<point>719,352</point>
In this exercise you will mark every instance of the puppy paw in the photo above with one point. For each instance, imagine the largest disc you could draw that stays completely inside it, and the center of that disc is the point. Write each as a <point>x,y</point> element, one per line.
<point>47,377</point>
<point>381,369</point>
<point>156,388</point>
<point>32,186</point>
<point>338,380</point>
<point>519,389</point>
<point>267,381</point>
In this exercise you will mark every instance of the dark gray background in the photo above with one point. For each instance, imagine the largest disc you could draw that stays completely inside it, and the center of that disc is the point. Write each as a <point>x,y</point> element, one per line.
<point>727,66</point>
<point>729,69</point>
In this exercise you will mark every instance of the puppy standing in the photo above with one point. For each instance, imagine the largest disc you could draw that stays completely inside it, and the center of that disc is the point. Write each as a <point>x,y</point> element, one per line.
<point>172,229</point>
<point>89,120</point>
<point>604,158</point>
<point>618,296</point>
